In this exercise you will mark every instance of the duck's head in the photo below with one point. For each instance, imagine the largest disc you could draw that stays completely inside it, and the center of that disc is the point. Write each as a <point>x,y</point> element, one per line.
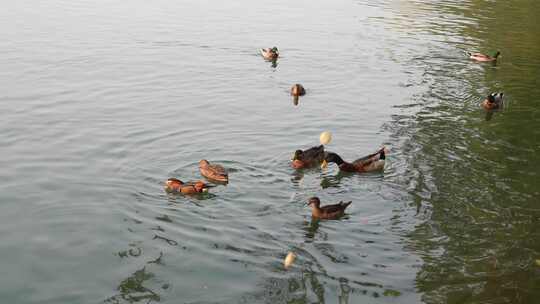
<point>203,163</point>
<point>314,202</point>
<point>298,154</point>
<point>497,54</point>
<point>274,50</point>
<point>495,97</point>
<point>173,183</point>
<point>201,187</point>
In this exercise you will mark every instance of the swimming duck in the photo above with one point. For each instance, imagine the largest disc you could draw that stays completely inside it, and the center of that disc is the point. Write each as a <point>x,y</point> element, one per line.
<point>308,158</point>
<point>328,212</point>
<point>493,101</point>
<point>483,57</point>
<point>372,162</point>
<point>298,90</point>
<point>214,172</point>
<point>176,185</point>
<point>270,53</point>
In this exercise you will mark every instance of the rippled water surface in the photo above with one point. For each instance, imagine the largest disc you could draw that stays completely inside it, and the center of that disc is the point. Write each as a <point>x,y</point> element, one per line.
<point>103,100</point>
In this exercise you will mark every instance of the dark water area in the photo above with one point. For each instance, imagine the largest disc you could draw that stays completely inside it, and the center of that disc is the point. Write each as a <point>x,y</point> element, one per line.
<point>102,101</point>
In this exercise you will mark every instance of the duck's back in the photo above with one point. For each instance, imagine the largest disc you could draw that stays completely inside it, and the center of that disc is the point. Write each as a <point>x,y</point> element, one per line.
<point>314,152</point>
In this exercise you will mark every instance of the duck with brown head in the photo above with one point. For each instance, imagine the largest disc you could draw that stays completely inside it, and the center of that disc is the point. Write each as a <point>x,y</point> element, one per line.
<point>213,171</point>
<point>297,90</point>
<point>177,186</point>
<point>328,212</point>
<point>308,158</point>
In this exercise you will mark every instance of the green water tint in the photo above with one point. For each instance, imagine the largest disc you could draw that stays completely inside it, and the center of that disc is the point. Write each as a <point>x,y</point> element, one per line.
<point>481,183</point>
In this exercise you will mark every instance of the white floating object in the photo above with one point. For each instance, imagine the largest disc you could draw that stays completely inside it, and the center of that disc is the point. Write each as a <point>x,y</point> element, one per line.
<point>325,137</point>
<point>289,259</point>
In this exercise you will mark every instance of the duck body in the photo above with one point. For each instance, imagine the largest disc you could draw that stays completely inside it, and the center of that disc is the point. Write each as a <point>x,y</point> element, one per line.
<point>369,163</point>
<point>177,186</point>
<point>213,171</point>
<point>270,53</point>
<point>298,90</point>
<point>493,101</point>
<point>308,158</point>
<point>328,212</point>
<point>483,57</point>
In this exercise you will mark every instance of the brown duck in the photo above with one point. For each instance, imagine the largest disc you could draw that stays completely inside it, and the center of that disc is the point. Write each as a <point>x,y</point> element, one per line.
<point>213,171</point>
<point>178,186</point>
<point>372,162</point>
<point>328,212</point>
<point>308,158</point>
<point>270,54</point>
<point>298,90</point>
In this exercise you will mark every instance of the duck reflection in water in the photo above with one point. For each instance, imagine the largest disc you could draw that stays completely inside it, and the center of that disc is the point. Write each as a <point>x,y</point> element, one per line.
<point>311,229</point>
<point>132,290</point>
<point>329,181</point>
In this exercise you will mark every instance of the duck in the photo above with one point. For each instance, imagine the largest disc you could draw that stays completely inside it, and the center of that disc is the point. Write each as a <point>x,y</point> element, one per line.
<point>270,53</point>
<point>483,57</point>
<point>177,186</point>
<point>308,158</point>
<point>493,101</point>
<point>213,171</point>
<point>369,163</point>
<point>328,212</point>
<point>298,90</point>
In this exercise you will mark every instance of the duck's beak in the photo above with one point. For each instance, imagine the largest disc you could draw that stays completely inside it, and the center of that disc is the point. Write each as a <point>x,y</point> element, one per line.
<point>324,164</point>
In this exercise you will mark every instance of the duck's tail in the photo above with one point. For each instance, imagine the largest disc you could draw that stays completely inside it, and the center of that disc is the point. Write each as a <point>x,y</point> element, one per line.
<point>345,205</point>
<point>469,54</point>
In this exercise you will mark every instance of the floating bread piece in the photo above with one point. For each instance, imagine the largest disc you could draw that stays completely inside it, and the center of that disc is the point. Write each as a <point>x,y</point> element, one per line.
<point>325,138</point>
<point>289,259</point>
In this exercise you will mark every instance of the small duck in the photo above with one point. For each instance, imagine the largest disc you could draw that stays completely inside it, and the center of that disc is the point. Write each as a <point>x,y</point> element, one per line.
<point>493,101</point>
<point>372,162</point>
<point>298,90</point>
<point>308,158</point>
<point>328,212</point>
<point>270,54</point>
<point>176,185</point>
<point>483,57</point>
<point>213,172</point>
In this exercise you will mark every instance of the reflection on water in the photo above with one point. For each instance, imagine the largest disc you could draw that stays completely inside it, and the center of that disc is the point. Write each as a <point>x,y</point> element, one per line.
<point>132,290</point>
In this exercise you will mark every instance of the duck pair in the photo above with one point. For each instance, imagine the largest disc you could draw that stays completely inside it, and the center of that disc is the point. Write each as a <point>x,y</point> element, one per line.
<point>272,54</point>
<point>316,156</point>
<point>210,171</point>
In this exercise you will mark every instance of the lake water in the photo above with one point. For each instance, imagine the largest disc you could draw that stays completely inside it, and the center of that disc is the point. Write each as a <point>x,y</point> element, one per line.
<point>103,100</point>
